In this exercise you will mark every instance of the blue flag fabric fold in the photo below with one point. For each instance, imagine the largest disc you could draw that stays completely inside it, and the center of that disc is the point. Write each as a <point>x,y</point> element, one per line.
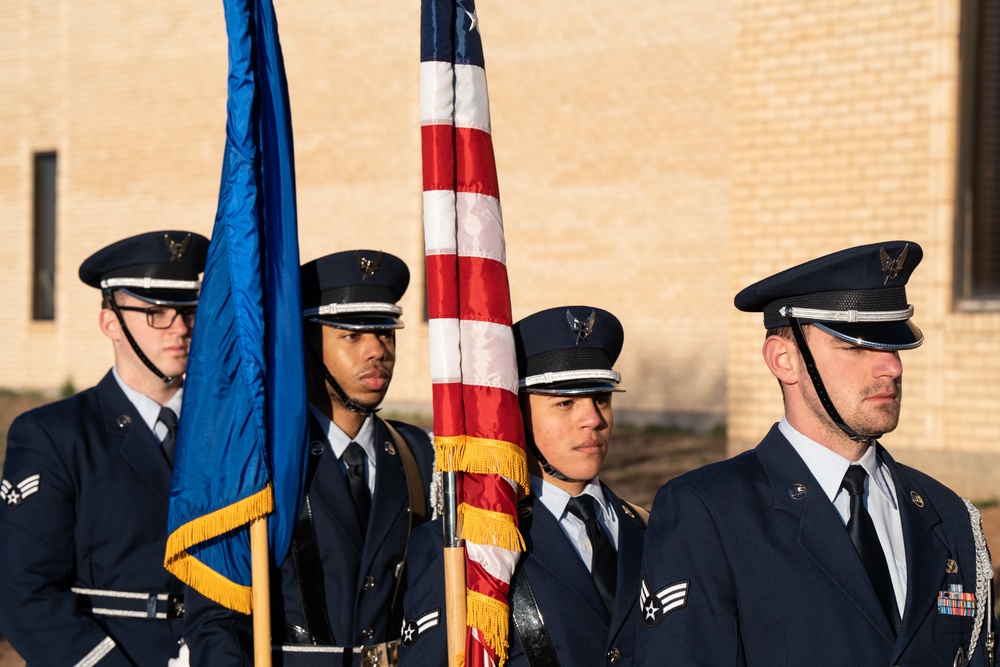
<point>242,439</point>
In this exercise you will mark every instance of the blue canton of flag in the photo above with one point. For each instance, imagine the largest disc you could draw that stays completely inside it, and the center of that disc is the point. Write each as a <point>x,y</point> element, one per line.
<point>240,451</point>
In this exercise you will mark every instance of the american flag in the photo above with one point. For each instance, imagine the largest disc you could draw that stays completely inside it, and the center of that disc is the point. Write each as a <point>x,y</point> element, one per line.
<point>477,422</point>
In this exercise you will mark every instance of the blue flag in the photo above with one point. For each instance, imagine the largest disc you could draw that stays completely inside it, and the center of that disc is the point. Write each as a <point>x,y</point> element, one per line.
<point>242,439</point>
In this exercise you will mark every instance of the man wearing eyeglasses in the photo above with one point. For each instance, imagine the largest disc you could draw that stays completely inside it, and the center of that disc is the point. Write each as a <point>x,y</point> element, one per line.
<point>83,500</point>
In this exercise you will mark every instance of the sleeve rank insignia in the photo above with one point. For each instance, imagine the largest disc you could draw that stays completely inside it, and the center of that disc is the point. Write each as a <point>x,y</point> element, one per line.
<point>12,495</point>
<point>666,600</point>
<point>414,627</point>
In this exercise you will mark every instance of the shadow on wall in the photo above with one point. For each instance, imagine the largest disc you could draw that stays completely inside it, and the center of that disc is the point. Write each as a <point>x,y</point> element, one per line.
<point>672,378</point>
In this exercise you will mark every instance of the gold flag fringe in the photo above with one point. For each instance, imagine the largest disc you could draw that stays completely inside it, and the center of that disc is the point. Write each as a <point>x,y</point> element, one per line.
<point>450,450</point>
<point>490,617</point>
<point>199,576</point>
<point>211,584</point>
<point>483,456</point>
<point>497,457</point>
<point>481,526</point>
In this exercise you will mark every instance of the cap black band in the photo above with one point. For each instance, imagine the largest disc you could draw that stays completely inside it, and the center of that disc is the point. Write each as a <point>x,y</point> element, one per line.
<point>871,300</point>
<point>357,294</point>
<point>572,359</point>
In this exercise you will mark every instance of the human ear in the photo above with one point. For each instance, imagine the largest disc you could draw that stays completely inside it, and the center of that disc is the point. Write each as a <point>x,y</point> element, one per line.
<point>109,324</point>
<point>781,357</point>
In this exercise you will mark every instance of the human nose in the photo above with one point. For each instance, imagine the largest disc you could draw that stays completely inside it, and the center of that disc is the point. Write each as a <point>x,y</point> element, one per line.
<point>590,414</point>
<point>182,321</point>
<point>888,364</point>
<point>375,349</point>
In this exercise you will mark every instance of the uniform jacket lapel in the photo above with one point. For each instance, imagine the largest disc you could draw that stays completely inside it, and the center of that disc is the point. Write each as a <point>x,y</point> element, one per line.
<point>926,552</point>
<point>391,494</point>
<point>822,534</point>
<point>137,444</point>
<point>631,534</point>
<point>552,552</point>
<point>328,488</point>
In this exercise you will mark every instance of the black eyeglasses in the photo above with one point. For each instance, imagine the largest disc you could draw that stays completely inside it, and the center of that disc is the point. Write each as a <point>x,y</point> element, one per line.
<point>162,317</point>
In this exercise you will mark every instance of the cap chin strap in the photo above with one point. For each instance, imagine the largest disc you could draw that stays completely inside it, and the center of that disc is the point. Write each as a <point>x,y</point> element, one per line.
<point>824,397</point>
<point>167,379</point>
<point>347,401</point>
<point>546,466</point>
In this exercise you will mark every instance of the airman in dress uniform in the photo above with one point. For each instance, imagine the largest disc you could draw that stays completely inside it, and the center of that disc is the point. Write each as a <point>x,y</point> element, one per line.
<point>83,501</point>
<point>817,547</point>
<point>573,594</point>
<point>337,598</point>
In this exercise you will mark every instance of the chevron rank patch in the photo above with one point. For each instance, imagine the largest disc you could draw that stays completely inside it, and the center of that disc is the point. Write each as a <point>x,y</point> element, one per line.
<point>414,627</point>
<point>953,601</point>
<point>12,495</point>
<point>668,599</point>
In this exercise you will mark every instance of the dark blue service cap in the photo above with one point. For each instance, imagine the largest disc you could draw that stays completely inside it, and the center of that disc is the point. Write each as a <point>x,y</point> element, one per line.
<point>568,350</point>
<point>355,289</point>
<point>857,295</point>
<point>157,267</point>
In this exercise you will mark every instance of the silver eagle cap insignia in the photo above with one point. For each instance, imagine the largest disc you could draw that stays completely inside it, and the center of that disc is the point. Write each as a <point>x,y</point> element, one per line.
<point>176,249</point>
<point>581,329</point>
<point>367,266</point>
<point>892,267</point>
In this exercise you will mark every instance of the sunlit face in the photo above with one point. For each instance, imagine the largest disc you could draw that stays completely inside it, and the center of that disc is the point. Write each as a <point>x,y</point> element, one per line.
<point>865,385</point>
<point>360,361</point>
<point>167,349</point>
<point>572,432</point>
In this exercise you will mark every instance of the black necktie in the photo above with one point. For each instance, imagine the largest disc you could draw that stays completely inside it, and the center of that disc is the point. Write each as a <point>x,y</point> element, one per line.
<point>604,564</point>
<point>862,532</point>
<point>169,419</point>
<point>356,460</point>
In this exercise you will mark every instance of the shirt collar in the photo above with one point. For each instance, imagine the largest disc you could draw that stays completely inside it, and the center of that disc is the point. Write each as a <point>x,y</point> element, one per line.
<point>829,468</point>
<point>147,408</point>
<point>556,499</point>
<point>339,440</point>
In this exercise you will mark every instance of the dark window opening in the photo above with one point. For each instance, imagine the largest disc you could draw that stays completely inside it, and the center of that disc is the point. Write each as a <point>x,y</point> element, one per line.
<point>44,268</point>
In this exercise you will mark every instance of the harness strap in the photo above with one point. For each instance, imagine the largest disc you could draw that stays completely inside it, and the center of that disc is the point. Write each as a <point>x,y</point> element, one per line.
<point>538,648</point>
<point>309,570</point>
<point>418,515</point>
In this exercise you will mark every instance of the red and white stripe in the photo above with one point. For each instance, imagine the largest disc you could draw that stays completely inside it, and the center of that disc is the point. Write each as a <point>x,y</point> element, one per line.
<point>473,363</point>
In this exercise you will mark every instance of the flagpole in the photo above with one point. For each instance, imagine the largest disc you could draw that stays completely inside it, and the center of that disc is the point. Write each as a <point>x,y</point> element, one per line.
<point>261,583</point>
<point>454,571</point>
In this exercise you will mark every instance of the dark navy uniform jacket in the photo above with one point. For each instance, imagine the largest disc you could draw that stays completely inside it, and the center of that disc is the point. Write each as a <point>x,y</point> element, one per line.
<point>582,632</point>
<point>98,520</point>
<point>773,579</point>
<point>358,575</point>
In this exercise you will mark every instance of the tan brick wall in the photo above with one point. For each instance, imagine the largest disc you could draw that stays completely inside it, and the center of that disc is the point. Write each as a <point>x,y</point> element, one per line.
<point>845,133</point>
<point>653,159</point>
<point>611,132</point>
